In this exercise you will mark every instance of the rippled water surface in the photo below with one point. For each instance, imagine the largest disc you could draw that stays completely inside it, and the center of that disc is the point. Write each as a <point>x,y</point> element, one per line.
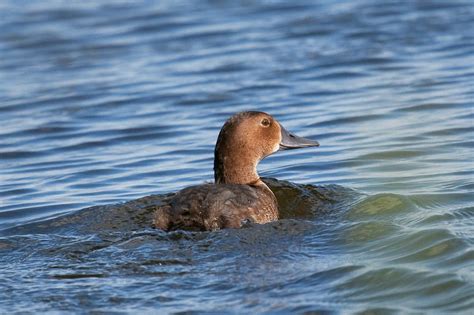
<point>103,103</point>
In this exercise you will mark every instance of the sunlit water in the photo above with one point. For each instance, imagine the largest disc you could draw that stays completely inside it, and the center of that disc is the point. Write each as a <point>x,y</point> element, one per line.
<point>102,104</point>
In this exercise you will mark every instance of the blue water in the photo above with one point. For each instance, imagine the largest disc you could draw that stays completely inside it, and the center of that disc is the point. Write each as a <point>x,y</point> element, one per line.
<point>102,103</point>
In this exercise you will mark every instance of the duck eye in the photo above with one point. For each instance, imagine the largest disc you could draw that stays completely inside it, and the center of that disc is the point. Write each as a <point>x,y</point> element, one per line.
<point>265,122</point>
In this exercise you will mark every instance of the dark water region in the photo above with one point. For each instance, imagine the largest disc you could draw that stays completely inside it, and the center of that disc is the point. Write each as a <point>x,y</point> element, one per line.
<point>107,107</point>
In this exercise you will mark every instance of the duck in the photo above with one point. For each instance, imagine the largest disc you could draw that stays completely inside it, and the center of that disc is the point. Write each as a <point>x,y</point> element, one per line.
<point>238,195</point>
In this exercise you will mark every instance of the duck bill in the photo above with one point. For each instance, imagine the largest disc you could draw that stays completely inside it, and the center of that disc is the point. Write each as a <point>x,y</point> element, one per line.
<point>289,141</point>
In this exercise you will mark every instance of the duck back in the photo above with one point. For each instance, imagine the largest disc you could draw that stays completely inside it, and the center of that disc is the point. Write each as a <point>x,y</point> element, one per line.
<point>217,206</point>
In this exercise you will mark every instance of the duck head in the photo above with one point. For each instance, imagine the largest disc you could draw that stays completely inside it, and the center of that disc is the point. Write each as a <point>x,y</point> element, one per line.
<point>244,140</point>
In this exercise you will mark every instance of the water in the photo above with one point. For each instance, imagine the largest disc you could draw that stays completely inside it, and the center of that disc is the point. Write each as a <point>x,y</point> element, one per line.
<point>102,103</point>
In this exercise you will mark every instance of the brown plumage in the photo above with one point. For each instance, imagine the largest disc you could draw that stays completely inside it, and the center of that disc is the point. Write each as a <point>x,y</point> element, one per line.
<point>238,195</point>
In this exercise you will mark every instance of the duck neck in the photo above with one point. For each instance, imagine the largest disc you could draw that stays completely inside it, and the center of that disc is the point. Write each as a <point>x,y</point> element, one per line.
<point>235,169</point>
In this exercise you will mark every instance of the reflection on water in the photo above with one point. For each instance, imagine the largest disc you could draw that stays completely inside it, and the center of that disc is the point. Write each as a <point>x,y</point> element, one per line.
<point>103,103</point>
